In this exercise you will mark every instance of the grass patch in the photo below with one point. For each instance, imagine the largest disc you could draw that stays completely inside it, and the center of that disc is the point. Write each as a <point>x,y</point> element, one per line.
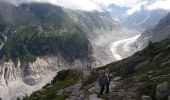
<point>63,80</point>
<point>149,88</point>
<point>90,79</point>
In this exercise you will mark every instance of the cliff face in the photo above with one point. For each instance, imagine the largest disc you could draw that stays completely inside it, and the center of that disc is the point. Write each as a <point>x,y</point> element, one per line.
<point>16,80</point>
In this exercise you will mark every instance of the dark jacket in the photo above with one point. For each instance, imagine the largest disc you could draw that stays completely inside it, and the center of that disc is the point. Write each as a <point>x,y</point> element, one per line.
<point>103,80</point>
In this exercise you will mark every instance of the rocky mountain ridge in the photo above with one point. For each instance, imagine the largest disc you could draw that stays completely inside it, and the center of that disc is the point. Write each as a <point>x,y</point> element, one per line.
<point>139,16</point>
<point>155,34</point>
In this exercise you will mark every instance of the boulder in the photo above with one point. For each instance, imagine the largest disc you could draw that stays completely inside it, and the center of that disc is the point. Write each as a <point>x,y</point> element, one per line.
<point>162,91</point>
<point>144,97</point>
<point>92,90</point>
<point>117,78</point>
<point>168,97</point>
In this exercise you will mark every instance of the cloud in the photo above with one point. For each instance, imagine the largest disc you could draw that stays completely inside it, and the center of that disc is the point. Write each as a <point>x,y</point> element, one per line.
<point>79,4</point>
<point>160,4</point>
<point>127,3</point>
<point>136,7</point>
<point>149,5</point>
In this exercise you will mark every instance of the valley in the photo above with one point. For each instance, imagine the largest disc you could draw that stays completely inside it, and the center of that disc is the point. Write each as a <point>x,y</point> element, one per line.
<point>49,52</point>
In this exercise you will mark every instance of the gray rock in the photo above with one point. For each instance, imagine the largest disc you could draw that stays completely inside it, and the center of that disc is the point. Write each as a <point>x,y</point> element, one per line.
<point>117,78</point>
<point>42,90</point>
<point>81,97</point>
<point>150,72</point>
<point>157,57</point>
<point>50,86</point>
<point>165,64</point>
<point>162,90</point>
<point>60,92</point>
<point>144,97</point>
<point>112,86</point>
<point>117,87</point>
<point>168,97</point>
<point>165,59</point>
<point>141,65</point>
<point>72,98</point>
<point>92,90</point>
<point>94,97</point>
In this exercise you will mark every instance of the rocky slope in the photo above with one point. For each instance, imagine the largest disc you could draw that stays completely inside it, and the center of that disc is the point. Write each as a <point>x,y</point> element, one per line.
<point>143,76</point>
<point>40,39</point>
<point>155,34</point>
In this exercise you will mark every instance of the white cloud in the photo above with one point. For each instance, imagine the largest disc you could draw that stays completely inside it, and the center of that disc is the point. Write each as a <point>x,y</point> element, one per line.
<point>160,4</point>
<point>127,3</point>
<point>90,4</point>
<point>76,4</point>
<point>136,7</point>
<point>81,4</point>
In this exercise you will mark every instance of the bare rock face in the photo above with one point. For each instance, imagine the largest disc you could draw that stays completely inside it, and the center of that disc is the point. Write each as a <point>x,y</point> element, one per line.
<point>18,80</point>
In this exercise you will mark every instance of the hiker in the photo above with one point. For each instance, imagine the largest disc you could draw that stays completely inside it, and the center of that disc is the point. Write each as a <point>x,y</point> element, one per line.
<point>89,67</point>
<point>103,81</point>
<point>109,78</point>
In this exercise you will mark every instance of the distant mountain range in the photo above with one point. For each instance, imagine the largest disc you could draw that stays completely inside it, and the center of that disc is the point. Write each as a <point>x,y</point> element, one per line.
<point>139,16</point>
<point>155,34</point>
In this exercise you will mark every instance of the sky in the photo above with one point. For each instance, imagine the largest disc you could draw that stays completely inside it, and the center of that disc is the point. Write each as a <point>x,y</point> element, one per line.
<point>161,4</point>
<point>81,4</point>
<point>99,4</point>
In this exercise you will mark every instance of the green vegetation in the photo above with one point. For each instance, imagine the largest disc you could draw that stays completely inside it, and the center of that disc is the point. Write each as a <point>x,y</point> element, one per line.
<point>26,43</point>
<point>90,79</point>
<point>148,88</point>
<point>63,80</point>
